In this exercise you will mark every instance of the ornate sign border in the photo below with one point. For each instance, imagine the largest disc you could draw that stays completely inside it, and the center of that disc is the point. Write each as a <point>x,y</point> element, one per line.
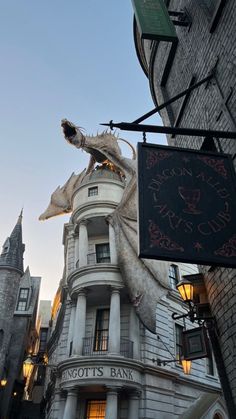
<point>187,205</point>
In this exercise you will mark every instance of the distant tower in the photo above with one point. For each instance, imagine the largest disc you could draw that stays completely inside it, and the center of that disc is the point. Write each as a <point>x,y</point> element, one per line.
<point>11,270</point>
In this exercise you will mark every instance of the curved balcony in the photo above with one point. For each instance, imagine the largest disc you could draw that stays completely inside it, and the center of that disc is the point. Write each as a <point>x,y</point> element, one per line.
<point>99,346</point>
<point>93,276</point>
<point>94,346</point>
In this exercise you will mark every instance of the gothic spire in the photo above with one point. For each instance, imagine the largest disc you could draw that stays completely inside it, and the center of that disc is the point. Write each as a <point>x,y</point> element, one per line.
<point>13,248</point>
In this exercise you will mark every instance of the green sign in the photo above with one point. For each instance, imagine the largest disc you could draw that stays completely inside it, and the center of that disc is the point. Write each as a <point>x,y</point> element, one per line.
<point>153,20</point>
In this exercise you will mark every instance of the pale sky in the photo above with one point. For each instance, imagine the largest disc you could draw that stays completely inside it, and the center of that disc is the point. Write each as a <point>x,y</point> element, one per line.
<point>69,59</point>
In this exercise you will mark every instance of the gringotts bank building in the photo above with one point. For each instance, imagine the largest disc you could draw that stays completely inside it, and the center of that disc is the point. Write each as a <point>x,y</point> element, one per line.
<point>112,326</point>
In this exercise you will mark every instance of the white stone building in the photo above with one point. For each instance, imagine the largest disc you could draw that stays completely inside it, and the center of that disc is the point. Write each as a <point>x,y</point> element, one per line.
<point>103,353</point>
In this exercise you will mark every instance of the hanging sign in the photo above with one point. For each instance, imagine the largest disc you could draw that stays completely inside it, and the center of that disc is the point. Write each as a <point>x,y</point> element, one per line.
<point>153,20</point>
<point>195,344</point>
<point>187,206</point>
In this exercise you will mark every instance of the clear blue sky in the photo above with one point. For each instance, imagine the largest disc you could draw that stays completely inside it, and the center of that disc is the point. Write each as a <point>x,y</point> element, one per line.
<point>59,59</point>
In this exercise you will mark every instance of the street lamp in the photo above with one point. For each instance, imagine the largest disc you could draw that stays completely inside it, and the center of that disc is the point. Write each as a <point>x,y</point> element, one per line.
<point>3,382</point>
<point>186,364</point>
<point>185,289</point>
<point>28,366</point>
<point>195,313</point>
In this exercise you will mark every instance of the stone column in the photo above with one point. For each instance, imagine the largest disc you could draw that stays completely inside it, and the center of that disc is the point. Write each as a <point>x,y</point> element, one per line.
<point>71,327</point>
<point>61,406</point>
<point>112,245</point>
<point>112,403</point>
<point>83,243</point>
<point>71,405</point>
<point>79,324</point>
<point>69,252</point>
<point>133,409</point>
<point>134,332</point>
<point>114,323</point>
<point>76,254</point>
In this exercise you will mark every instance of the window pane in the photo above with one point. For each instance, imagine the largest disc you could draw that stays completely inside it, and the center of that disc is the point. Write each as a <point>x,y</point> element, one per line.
<point>21,306</point>
<point>96,409</point>
<point>178,340</point>
<point>173,275</point>
<point>101,331</point>
<point>24,293</point>
<point>93,191</point>
<point>103,253</point>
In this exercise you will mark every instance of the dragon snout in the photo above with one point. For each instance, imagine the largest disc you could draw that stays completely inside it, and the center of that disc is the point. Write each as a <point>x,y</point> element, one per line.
<point>68,129</point>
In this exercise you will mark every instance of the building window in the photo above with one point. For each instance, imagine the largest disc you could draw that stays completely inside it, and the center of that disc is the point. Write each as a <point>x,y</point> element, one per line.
<point>210,362</point>
<point>178,341</point>
<point>43,340</point>
<point>23,299</point>
<point>101,330</point>
<point>96,409</point>
<point>103,253</point>
<point>93,191</point>
<point>173,275</point>
<point>6,247</point>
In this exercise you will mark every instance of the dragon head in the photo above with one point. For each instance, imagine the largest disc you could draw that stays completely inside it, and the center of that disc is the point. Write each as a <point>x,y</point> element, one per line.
<point>74,136</point>
<point>72,133</point>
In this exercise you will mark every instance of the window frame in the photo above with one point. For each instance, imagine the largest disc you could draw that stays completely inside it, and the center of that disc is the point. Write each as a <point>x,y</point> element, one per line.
<point>43,342</point>
<point>23,300</point>
<point>178,342</point>
<point>101,332</point>
<point>106,253</point>
<point>174,279</point>
<point>93,191</point>
<point>87,413</point>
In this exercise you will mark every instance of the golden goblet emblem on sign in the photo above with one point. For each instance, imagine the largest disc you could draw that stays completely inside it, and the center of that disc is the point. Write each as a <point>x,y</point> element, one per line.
<point>191,198</point>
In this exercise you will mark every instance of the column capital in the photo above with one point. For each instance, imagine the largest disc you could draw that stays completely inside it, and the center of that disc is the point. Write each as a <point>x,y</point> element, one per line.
<point>135,394</point>
<point>82,292</point>
<point>113,389</point>
<point>116,289</point>
<point>72,392</point>
<point>83,222</point>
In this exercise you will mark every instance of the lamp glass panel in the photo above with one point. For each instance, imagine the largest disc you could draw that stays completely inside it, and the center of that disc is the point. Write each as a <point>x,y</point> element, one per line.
<point>3,382</point>
<point>28,366</point>
<point>186,291</point>
<point>186,366</point>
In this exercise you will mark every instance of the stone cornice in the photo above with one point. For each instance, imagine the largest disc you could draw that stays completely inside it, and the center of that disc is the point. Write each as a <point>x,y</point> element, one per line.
<point>76,362</point>
<point>98,204</point>
<point>91,271</point>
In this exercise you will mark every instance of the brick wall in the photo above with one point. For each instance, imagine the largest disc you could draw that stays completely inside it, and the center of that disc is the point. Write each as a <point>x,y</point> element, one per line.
<point>197,52</point>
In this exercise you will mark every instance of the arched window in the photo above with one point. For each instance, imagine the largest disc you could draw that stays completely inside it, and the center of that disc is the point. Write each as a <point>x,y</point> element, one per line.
<point>217,416</point>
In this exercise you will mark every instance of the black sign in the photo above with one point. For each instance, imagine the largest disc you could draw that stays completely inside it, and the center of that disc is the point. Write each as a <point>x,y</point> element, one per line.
<point>187,206</point>
<point>195,344</point>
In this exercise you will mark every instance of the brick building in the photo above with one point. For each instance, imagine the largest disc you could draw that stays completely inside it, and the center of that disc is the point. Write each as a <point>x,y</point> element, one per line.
<point>19,293</point>
<point>207,43</point>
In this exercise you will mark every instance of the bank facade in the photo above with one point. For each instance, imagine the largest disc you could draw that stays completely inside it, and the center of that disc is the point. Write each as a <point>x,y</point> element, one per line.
<point>104,358</point>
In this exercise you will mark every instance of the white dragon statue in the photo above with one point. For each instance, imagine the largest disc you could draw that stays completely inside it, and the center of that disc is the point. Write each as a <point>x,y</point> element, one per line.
<point>145,279</point>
